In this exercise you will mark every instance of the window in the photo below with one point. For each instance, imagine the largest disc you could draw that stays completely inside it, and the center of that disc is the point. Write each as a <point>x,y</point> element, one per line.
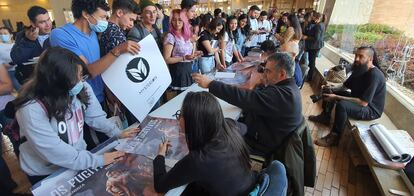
<point>386,25</point>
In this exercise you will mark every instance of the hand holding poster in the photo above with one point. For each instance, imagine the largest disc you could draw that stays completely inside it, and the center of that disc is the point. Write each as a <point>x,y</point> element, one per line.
<point>139,81</point>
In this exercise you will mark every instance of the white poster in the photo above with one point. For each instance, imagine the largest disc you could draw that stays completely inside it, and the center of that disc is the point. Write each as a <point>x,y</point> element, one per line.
<point>139,81</point>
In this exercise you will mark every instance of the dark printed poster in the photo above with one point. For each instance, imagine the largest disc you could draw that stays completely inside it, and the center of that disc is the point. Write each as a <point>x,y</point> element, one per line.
<point>131,176</point>
<point>147,141</point>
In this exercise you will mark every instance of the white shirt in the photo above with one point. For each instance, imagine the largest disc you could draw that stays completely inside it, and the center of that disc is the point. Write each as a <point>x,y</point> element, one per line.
<point>229,47</point>
<point>266,25</point>
<point>5,49</point>
<point>254,26</point>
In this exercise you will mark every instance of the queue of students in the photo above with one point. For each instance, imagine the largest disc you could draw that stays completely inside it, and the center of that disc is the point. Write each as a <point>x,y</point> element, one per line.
<point>63,98</point>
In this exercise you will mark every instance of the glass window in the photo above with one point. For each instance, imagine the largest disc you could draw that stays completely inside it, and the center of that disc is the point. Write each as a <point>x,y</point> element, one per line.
<point>385,25</point>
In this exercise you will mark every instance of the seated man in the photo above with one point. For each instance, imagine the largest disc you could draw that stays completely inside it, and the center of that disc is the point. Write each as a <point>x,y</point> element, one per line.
<point>365,102</point>
<point>272,111</point>
<point>31,42</point>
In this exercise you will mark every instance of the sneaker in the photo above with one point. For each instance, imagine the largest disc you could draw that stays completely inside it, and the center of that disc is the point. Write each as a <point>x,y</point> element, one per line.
<point>321,118</point>
<point>332,139</point>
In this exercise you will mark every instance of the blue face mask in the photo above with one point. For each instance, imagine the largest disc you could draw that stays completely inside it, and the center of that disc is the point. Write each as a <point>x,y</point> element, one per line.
<point>76,89</point>
<point>100,25</point>
<point>5,38</point>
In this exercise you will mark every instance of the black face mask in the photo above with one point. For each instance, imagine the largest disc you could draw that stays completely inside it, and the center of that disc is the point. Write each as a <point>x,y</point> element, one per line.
<point>359,69</point>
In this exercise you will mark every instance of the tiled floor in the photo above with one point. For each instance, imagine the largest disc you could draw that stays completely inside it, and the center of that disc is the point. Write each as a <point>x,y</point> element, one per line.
<point>336,173</point>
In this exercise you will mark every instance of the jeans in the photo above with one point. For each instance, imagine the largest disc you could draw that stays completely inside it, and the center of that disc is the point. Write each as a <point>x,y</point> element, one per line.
<point>312,60</point>
<point>345,109</point>
<point>278,180</point>
<point>206,64</point>
<point>195,66</point>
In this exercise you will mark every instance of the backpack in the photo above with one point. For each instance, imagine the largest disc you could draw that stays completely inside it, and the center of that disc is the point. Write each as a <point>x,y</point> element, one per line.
<point>12,130</point>
<point>157,31</point>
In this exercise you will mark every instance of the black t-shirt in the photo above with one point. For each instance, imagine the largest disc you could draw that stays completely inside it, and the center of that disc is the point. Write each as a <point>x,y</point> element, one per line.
<point>205,35</point>
<point>369,87</point>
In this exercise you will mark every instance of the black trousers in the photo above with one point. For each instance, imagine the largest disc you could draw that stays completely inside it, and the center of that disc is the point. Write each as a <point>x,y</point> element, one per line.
<point>312,54</point>
<point>345,109</point>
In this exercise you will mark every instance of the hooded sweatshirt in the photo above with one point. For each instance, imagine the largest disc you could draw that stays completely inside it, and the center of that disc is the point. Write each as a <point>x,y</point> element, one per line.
<point>45,152</point>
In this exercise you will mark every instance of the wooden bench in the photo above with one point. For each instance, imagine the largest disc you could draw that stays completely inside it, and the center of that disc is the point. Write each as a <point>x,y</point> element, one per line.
<point>386,179</point>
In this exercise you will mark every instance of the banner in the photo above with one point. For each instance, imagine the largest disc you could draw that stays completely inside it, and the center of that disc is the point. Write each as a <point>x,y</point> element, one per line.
<point>139,81</point>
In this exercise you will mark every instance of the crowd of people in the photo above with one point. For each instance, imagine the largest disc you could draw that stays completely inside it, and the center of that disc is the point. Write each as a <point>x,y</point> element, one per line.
<point>61,99</point>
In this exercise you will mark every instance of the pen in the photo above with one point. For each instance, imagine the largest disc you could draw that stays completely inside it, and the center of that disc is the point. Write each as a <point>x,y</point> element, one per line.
<point>164,139</point>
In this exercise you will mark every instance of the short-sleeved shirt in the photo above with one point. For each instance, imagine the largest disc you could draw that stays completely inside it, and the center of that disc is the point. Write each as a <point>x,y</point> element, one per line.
<point>240,39</point>
<point>180,46</point>
<point>205,35</point>
<point>254,26</point>
<point>369,87</point>
<point>229,47</point>
<point>70,37</point>
<point>5,50</point>
<point>112,37</point>
<point>266,25</point>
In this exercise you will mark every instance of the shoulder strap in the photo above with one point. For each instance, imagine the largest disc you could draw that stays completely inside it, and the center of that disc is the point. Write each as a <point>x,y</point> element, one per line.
<point>62,127</point>
<point>141,31</point>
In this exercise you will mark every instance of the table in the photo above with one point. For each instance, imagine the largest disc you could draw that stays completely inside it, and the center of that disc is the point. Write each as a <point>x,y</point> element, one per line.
<point>170,108</point>
<point>59,183</point>
<point>386,179</point>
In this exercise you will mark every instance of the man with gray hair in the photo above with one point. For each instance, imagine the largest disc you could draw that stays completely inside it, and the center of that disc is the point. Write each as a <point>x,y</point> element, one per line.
<point>272,105</point>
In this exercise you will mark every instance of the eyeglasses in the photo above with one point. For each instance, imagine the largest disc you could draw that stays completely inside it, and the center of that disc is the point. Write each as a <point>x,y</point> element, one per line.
<point>262,69</point>
<point>177,114</point>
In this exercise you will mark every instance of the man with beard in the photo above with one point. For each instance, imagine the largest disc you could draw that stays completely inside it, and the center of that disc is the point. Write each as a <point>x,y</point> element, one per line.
<point>364,102</point>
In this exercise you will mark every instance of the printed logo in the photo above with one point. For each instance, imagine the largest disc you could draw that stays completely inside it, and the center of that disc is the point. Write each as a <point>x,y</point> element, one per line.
<point>137,70</point>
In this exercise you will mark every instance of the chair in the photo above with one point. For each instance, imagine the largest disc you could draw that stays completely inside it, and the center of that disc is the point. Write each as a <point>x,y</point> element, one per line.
<point>272,181</point>
<point>298,155</point>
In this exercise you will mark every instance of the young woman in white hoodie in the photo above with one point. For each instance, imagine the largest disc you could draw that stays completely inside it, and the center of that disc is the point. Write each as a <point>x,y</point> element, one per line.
<point>52,108</point>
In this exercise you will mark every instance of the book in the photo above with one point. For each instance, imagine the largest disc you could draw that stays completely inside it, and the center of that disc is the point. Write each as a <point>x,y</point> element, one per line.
<point>243,65</point>
<point>224,75</point>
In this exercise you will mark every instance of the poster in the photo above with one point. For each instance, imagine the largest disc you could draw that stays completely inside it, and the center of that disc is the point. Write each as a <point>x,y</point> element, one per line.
<point>147,141</point>
<point>133,175</point>
<point>238,79</point>
<point>139,81</point>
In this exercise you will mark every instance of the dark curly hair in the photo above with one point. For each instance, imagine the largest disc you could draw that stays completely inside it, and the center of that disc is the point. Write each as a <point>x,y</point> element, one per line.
<point>89,6</point>
<point>53,76</point>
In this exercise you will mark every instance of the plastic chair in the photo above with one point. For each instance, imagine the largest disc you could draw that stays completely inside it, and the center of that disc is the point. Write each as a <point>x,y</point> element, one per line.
<point>272,182</point>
